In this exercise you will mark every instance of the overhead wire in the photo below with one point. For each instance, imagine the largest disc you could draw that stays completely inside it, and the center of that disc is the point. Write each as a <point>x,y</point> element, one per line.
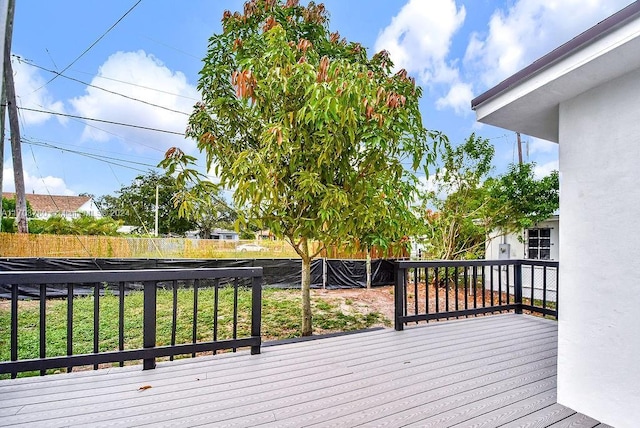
<point>98,87</point>
<point>147,128</point>
<point>105,159</point>
<point>135,85</point>
<point>144,226</point>
<point>58,208</point>
<point>46,187</point>
<point>171,47</point>
<point>91,46</point>
<point>119,136</point>
<point>106,131</point>
<point>62,146</point>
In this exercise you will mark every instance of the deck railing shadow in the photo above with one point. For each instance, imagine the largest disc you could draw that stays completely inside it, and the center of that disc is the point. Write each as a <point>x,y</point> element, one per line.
<point>48,285</point>
<point>445,289</point>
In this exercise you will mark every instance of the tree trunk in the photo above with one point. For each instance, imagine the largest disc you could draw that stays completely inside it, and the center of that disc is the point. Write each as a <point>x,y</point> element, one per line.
<point>368,266</point>
<point>307,328</point>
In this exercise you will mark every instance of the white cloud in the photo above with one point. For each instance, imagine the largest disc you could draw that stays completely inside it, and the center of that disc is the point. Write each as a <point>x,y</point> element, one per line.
<point>545,169</point>
<point>528,30</point>
<point>40,185</point>
<point>458,99</point>
<point>145,70</point>
<point>434,184</point>
<point>419,40</point>
<point>30,94</point>
<point>536,145</point>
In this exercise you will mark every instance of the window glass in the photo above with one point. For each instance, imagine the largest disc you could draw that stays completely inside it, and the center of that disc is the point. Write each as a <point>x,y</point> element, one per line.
<point>539,244</point>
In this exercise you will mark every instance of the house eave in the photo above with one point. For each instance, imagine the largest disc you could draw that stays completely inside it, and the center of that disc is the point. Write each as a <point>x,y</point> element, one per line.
<point>528,101</point>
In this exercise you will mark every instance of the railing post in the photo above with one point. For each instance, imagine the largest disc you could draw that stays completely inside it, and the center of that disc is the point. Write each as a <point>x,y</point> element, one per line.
<point>517,285</point>
<point>557,291</point>
<point>14,326</point>
<point>256,311</point>
<point>398,293</point>
<point>149,322</point>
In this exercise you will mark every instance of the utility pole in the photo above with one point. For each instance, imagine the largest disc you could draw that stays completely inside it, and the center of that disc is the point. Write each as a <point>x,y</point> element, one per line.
<point>4,15</point>
<point>14,125</point>
<point>519,148</point>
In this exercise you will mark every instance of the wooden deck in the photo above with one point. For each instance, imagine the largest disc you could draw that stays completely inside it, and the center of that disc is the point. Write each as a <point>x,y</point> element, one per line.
<point>482,372</point>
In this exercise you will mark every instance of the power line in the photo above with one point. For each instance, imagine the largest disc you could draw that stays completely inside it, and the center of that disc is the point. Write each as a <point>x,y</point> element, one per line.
<point>171,47</point>
<point>105,159</point>
<point>118,136</point>
<point>102,121</point>
<point>44,183</point>
<point>92,155</point>
<point>63,145</point>
<point>92,45</point>
<point>135,84</point>
<point>98,87</point>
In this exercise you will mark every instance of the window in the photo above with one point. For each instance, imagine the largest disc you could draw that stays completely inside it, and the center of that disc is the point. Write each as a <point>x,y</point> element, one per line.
<point>539,244</point>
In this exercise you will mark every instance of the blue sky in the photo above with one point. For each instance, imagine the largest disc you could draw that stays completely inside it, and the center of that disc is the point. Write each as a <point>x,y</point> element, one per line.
<point>456,49</point>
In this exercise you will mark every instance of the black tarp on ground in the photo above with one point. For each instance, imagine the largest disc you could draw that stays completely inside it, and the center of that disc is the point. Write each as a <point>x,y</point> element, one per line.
<point>282,273</point>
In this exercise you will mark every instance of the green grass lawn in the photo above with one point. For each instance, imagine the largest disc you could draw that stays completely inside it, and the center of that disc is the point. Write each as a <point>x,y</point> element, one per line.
<point>281,319</point>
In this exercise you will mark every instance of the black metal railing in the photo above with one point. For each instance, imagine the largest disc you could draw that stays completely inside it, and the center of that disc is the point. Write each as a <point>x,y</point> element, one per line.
<point>432,290</point>
<point>239,285</point>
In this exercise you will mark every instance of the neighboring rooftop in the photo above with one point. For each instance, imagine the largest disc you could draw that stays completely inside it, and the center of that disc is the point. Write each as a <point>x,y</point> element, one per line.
<point>52,203</point>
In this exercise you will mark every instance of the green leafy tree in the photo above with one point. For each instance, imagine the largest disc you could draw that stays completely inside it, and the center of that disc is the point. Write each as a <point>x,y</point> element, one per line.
<point>135,205</point>
<point>468,204</point>
<point>518,201</point>
<point>456,211</point>
<point>83,225</point>
<point>9,208</point>
<point>309,131</point>
<point>204,205</point>
<point>9,213</point>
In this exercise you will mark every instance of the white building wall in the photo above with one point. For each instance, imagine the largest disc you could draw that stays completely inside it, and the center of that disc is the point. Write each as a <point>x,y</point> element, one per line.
<point>518,243</point>
<point>518,250</point>
<point>599,326</point>
<point>90,208</point>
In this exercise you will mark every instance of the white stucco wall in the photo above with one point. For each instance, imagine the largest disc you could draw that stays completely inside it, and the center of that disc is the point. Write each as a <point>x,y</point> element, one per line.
<point>518,245</point>
<point>518,250</point>
<point>599,326</point>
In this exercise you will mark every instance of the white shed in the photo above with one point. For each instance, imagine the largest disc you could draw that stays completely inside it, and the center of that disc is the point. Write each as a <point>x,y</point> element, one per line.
<point>585,95</point>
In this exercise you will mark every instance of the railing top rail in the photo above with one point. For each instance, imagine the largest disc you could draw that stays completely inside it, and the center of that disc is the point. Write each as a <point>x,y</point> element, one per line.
<point>405,264</point>
<point>547,263</point>
<point>88,276</point>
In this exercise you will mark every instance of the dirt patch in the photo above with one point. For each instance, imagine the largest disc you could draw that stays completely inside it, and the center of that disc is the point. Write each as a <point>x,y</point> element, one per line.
<point>381,300</point>
<point>362,300</point>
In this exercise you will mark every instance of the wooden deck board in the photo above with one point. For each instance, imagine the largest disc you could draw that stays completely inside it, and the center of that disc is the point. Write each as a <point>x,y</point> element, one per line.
<point>542,418</point>
<point>485,372</point>
<point>576,421</point>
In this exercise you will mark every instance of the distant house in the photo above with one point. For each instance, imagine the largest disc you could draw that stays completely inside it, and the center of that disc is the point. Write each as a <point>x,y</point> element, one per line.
<point>265,234</point>
<point>223,234</point>
<point>69,207</point>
